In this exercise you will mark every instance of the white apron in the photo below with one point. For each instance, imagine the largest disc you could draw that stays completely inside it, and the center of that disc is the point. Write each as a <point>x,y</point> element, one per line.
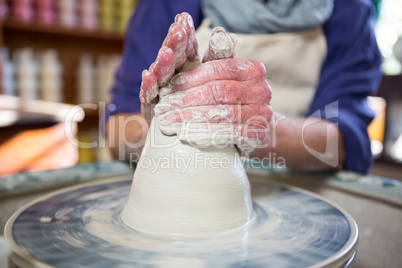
<point>293,62</point>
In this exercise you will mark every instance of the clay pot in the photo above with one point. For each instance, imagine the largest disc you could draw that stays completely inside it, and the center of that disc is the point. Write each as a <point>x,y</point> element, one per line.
<point>182,190</point>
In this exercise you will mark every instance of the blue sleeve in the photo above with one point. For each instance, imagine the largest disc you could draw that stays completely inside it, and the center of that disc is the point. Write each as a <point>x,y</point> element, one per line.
<point>351,71</point>
<point>144,36</point>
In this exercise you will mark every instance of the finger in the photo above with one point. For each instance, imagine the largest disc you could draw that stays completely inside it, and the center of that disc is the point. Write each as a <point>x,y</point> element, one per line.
<point>186,21</point>
<point>202,134</point>
<point>227,69</point>
<point>252,115</point>
<point>221,45</point>
<point>176,40</point>
<point>216,93</point>
<point>163,67</point>
<point>149,87</point>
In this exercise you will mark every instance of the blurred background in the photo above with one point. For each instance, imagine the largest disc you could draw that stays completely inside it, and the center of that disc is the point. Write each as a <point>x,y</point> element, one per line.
<point>57,52</point>
<point>60,53</point>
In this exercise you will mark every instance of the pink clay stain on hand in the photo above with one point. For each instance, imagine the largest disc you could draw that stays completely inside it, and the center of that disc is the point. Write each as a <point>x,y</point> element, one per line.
<point>231,94</point>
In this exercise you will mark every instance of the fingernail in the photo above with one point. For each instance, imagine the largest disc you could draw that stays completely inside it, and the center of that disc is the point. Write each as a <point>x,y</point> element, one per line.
<point>161,50</point>
<point>190,21</point>
<point>177,17</point>
<point>218,29</point>
<point>144,73</point>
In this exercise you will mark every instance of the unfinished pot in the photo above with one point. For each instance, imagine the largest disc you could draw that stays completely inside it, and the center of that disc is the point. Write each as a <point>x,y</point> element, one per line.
<point>182,190</point>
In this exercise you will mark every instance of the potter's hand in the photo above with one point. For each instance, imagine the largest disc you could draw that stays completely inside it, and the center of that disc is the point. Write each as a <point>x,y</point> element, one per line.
<point>221,102</point>
<point>179,46</point>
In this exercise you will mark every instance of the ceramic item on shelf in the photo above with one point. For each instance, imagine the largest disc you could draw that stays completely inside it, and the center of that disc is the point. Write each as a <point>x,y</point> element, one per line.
<point>50,76</point>
<point>26,74</point>
<point>7,71</point>
<point>85,80</point>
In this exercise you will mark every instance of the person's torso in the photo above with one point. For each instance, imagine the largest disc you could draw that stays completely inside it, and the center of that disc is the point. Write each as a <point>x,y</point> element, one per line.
<point>293,62</point>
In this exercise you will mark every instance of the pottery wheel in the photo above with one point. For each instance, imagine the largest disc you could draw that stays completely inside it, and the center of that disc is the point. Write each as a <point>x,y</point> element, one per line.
<point>81,226</point>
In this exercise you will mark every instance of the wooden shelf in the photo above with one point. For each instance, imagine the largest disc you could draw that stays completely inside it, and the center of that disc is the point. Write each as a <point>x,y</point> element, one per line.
<point>57,29</point>
<point>70,42</point>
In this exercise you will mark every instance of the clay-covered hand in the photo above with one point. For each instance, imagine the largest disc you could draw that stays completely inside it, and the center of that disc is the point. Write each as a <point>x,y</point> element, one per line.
<point>179,47</point>
<point>221,102</point>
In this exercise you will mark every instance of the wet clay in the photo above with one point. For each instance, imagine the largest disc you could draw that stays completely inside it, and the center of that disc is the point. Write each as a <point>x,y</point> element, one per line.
<point>206,190</point>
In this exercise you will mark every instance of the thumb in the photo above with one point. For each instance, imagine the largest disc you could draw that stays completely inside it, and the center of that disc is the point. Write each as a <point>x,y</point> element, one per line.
<point>221,46</point>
